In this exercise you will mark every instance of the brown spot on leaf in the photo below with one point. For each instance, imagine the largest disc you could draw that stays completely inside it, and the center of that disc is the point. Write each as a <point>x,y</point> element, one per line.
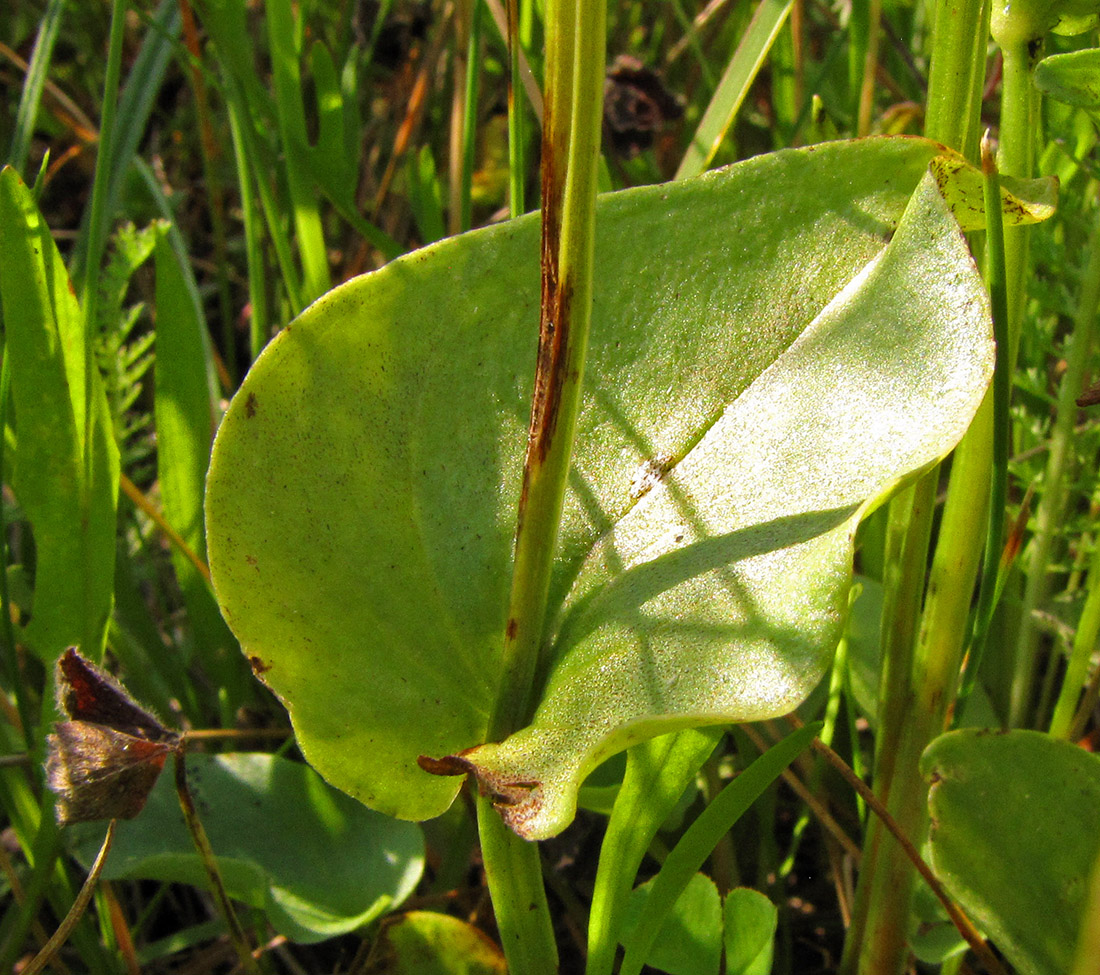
<point>511,628</point>
<point>1091,396</point>
<point>447,765</point>
<point>259,668</point>
<point>250,405</point>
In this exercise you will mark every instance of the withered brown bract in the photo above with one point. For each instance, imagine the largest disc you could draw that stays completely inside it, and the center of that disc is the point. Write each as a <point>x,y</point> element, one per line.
<point>102,763</point>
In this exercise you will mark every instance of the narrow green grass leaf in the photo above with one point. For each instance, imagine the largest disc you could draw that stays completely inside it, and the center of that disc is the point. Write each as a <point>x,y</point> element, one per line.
<point>73,519</point>
<point>657,773</point>
<point>282,29</point>
<point>27,114</point>
<point>736,81</point>
<point>252,118</point>
<point>333,162</point>
<point>135,104</point>
<point>185,420</point>
<point>702,836</point>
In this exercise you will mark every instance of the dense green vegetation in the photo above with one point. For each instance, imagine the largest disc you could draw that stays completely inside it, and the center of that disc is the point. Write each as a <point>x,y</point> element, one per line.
<point>768,378</point>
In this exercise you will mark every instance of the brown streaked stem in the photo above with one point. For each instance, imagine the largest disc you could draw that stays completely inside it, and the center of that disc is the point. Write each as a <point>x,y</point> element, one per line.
<point>64,929</point>
<point>965,926</point>
<point>210,864</point>
<point>816,806</point>
<point>134,493</point>
<point>575,51</point>
<point>571,143</point>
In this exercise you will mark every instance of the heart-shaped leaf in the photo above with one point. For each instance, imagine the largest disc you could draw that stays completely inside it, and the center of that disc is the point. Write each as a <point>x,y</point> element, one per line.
<point>1015,833</point>
<point>362,494</point>
<point>317,863</point>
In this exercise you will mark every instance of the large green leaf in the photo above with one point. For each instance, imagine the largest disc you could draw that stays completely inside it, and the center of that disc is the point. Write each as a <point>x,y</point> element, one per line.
<point>316,862</point>
<point>722,595</point>
<point>1015,832</point>
<point>362,494</point>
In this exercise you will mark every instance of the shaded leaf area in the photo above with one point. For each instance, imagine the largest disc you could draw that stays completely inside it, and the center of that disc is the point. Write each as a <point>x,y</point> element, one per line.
<point>1015,833</point>
<point>426,943</point>
<point>363,488</point>
<point>346,865</point>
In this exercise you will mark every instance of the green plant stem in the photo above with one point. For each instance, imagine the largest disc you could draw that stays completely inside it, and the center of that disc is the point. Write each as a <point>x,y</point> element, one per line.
<point>1018,153</point>
<point>571,139</point>
<point>956,73</point>
<point>880,913</point>
<point>469,114</point>
<point>457,126</point>
<point>514,874</point>
<point>571,145</point>
<point>920,666</point>
<point>210,865</point>
<point>866,101</point>
<point>1085,640</point>
<point>1049,514</point>
<point>516,147</point>
<point>1088,940</point>
<point>1002,393</point>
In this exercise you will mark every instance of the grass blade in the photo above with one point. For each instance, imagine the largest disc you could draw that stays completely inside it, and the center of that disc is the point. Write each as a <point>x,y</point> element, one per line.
<point>185,420</point>
<point>657,772</point>
<point>71,506</point>
<point>702,836</point>
<point>738,77</point>
<point>27,113</point>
